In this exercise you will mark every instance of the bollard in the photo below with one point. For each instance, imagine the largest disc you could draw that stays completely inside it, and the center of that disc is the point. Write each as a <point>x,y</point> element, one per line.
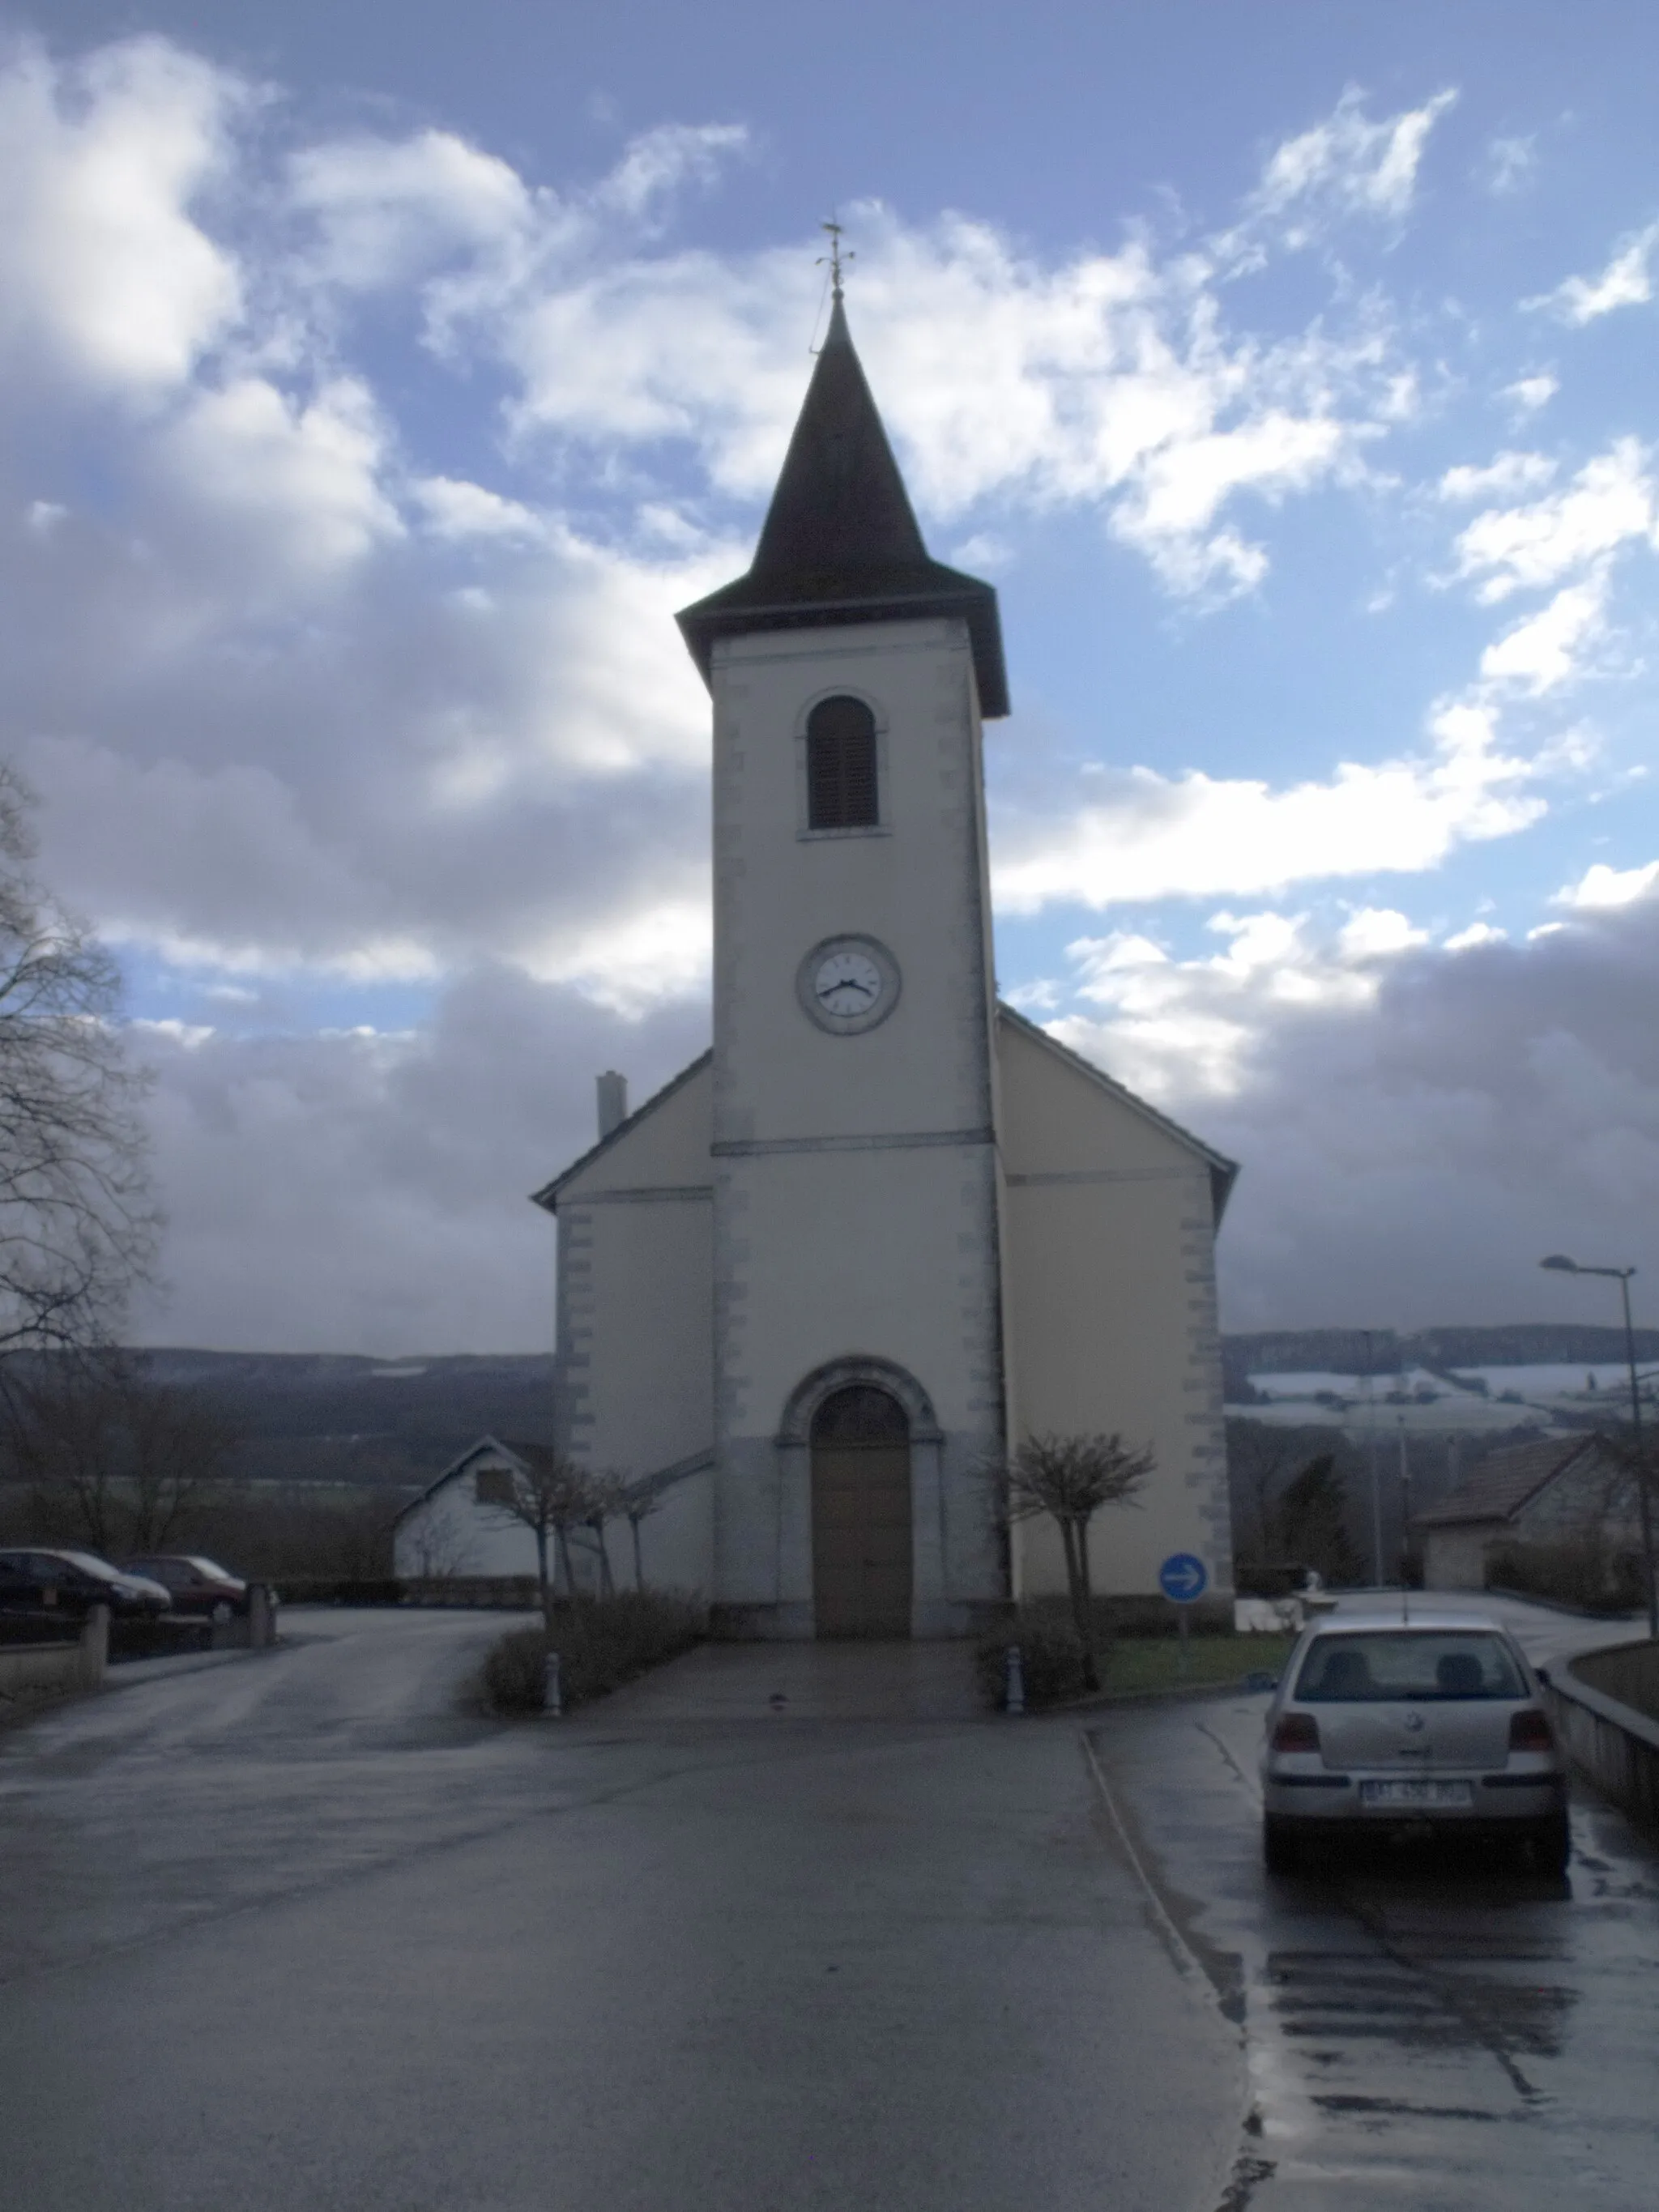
<point>94,1647</point>
<point>552,1688</point>
<point>1014,1700</point>
<point>261,1626</point>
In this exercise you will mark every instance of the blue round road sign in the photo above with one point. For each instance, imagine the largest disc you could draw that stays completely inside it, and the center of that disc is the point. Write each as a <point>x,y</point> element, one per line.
<point>1183,1577</point>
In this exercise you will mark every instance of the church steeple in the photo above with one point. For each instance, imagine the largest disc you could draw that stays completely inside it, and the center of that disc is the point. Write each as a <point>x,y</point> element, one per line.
<point>840,542</point>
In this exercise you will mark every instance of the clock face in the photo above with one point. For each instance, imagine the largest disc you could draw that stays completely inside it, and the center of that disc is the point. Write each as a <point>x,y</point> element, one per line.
<point>848,984</point>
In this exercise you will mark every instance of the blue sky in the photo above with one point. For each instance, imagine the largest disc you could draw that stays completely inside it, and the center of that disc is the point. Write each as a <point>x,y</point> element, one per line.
<point>380,380</point>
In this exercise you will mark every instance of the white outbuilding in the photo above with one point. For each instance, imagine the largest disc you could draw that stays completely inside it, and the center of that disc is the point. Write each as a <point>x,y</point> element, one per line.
<point>458,1529</point>
<point>815,1288</point>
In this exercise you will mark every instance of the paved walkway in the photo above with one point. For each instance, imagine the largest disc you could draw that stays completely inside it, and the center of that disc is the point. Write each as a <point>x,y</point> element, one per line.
<point>803,1682</point>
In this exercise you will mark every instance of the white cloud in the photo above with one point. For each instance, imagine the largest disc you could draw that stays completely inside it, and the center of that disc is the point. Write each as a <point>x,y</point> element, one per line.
<point>1376,932</point>
<point>458,510</point>
<point>1148,836</point>
<point>1600,887</point>
<point>1192,1028</point>
<point>1610,502</point>
<point>1528,393</point>
<point>1509,165</point>
<point>1107,380</point>
<point>388,212</point>
<point>299,480</point>
<point>103,269</point>
<point>1506,474</point>
<point>1549,649</point>
<point>1477,933</point>
<point>1626,282</point>
<point>659,163</point>
<point>1343,167</point>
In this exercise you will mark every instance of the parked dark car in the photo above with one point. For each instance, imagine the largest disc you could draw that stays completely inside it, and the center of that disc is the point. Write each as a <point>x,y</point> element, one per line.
<point>196,1585</point>
<point>71,1583</point>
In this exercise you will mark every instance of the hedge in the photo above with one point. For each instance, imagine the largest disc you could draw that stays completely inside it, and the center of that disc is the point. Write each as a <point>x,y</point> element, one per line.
<point>601,1643</point>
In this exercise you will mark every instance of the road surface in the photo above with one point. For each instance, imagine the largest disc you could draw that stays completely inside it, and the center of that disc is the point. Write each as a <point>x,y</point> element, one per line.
<point>297,1933</point>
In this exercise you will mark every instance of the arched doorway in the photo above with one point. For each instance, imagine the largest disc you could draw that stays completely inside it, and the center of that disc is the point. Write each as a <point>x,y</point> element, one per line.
<point>861,1512</point>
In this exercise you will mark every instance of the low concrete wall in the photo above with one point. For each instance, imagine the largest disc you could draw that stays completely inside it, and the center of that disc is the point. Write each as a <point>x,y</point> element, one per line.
<point>1617,1746</point>
<point>1629,1674</point>
<point>32,1672</point>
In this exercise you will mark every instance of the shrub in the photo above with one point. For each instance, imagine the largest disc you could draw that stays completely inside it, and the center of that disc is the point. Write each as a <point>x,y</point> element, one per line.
<point>1051,1654</point>
<point>1583,1575</point>
<point>1051,1660</point>
<point>601,1643</point>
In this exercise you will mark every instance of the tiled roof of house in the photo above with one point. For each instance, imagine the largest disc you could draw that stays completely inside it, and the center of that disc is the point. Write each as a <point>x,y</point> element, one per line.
<point>1506,1482</point>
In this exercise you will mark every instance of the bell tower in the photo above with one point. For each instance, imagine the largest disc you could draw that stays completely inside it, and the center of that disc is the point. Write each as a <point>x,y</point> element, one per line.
<point>860,1346</point>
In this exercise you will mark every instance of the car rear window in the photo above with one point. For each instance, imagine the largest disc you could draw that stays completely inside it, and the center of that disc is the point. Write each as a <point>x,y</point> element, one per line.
<point>1421,1664</point>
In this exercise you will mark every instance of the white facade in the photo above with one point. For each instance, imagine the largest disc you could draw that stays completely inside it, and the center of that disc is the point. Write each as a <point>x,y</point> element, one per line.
<point>933,1198</point>
<point>451,1534</point>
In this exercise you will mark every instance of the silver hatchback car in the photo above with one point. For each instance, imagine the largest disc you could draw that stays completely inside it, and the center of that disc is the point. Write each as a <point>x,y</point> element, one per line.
<point>1434,1722</point>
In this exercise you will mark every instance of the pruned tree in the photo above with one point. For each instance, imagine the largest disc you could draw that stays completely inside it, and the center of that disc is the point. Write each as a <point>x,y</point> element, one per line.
<point>1070,1479</point>
<point>607,1501</point>
<point>640,1501</point>
<point>548,1494</point>
<point>77,1224</point>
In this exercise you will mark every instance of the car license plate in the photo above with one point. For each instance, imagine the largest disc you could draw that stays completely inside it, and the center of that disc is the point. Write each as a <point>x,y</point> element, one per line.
<point>1416,1793</point>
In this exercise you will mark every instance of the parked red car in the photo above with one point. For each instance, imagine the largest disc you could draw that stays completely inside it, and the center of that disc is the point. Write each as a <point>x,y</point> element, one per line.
<point>196,1585</point>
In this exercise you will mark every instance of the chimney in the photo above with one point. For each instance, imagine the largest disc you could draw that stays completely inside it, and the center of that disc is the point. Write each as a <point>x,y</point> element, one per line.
<point>613,1101</point>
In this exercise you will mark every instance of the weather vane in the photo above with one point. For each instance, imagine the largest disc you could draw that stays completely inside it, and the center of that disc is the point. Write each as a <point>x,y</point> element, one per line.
<point>835,257</point>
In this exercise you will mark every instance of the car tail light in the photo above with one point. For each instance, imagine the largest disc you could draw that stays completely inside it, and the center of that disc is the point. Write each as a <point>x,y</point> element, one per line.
<point>1531,1731</point>
<point>1297,1732</point>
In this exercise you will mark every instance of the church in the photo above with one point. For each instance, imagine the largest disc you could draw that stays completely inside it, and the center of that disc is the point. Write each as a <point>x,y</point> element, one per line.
<point>812,1293</point>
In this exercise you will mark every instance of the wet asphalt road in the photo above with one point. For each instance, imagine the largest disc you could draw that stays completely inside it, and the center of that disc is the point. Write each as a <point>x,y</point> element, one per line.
<point>1421,2029</point>
<point>293,1933</point>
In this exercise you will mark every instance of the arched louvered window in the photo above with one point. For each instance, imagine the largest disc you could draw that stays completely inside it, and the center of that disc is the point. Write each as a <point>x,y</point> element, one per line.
<point>841,765</point>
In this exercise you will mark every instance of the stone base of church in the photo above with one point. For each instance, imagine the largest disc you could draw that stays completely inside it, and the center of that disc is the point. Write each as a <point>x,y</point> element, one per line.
<point>931,1622</point>
<point>760,1624</point>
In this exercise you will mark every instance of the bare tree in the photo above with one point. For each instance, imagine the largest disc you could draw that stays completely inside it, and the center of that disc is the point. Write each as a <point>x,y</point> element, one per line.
<point>180,1451</point>
<point>1070,1479</point>
<point>122,1462</point>
<point>77,1226</point>
<point>64,1419</point>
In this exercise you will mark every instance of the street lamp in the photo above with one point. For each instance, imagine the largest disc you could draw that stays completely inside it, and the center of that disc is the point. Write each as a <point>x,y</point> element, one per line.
<point>1560,1262</point>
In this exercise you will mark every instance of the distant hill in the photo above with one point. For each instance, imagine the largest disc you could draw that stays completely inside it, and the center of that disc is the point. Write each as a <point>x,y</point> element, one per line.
<point>314,1416</point>
<point>1381,1351</point>
<point>309,1416</point>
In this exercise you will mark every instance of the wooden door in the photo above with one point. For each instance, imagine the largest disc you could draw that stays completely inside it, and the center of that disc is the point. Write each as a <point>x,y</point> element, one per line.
<point>861,1514</point>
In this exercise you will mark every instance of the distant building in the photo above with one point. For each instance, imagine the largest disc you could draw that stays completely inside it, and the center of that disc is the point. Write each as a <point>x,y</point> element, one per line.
<point>457,1530</point>
<point>816,1286</point>
<point>1563,1489</point>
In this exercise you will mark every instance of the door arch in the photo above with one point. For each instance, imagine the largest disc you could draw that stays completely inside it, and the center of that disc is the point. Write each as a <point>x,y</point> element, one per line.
<point>862,1570</point>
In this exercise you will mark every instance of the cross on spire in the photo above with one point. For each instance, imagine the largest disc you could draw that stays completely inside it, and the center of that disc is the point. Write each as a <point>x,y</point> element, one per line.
<point>835,257</point>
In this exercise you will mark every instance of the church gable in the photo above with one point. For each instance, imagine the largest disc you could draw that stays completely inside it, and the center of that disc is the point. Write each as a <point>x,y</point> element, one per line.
<point>1109,1298</point>
<point>1065,1119</point>
<point>662,1147</point>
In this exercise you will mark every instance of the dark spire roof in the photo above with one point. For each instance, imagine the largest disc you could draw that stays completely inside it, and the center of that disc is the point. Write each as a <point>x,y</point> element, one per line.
<point>840,542</point>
